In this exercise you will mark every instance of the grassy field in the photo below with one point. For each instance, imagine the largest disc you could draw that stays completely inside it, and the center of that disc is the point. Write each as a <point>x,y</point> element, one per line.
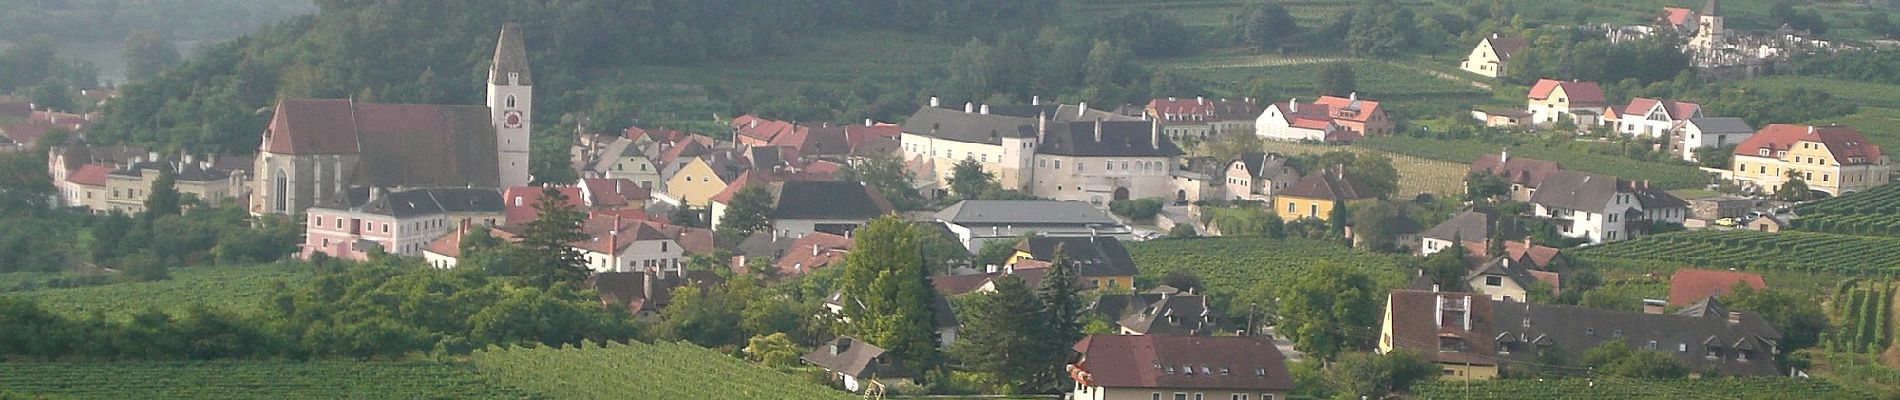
<point>1664,175</point>
<point>251,380</point>
<point>1416,174</point>
<point>643,371</point>
<point>232,288</point>
<point>1404,89</point>
<point>1610,387</point>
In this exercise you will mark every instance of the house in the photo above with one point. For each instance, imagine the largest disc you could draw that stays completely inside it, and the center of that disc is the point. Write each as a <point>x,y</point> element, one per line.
<point>1690,285</point>
<point>614,194</point>
<point>1508,281</point>
<point>446,252</point>
<point>1362,116</point>
<point>1770,223</point>
<point>646,293</point>
<point>976,222</point>
<point>1502,118</point>
<point>1718,207</point>
<point>1647,117</point>
<point>1471,226</point>
<point>1158,312</point>
<point>349,225</point>
<point>1491,56</point>
<point>1553,100</point>
<point>752,130</point>
<point>695,181</point>
<point>1134,158</point>
<point>1524,174</point>
<point>1101,261</point>
<point>812,252</point>
<point>1538,258</point>
<point>1199,178</point>
<point>801,207</point>
<point>614,244</point>
<point>1003,139</point>
<point>1681,19</point>
<point>1179,368</point>
<point>1030,272</point>
<point>1470,336</point>
<point>623,158</point>
<point>1200,118</point>
<point>858,365</point>
<point>1257,176</point>
<point>1708,132</point>
<point>1294,122</point>
<point>86,187</point>
<point>1602,208</point>
<point>314,148</point>
<point>1832,159</point>
<point>1315,195</point>
<point>128,188</point>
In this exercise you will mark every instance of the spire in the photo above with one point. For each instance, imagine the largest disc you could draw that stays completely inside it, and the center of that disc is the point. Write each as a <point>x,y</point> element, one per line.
<point>1708,9</point>
<point>511,58</point>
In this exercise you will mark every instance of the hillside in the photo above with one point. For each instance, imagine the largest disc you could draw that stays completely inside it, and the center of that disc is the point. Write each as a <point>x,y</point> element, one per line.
<point>643,371</point>
<point>249,380</point>
<point>236,288</point>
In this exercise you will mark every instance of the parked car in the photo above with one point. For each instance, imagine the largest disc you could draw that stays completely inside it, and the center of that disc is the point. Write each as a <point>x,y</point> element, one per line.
<point>1725,222</point>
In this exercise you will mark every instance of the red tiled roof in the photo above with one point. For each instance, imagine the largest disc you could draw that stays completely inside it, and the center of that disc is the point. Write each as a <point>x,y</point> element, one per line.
<point>312,126</point>
<point>1185,362</point>
<point>519,202</point>
<point>1676,110</point>
<point>1582,94</point>
<point>857,135</point>
<point>1329,185</point>
<point>1690,285</point>
<point>90,174</point>
<point>694,240</point>
<point>747,178</point>
<point>1843,142</point>
<point>25,132</point>
<point>607,192</point>
<point>1524,171</point>
<point>1676,16</point>
<point>761,129</point>
<point>814,251</point>
<point>1340,107</point>
<point>610,234</point>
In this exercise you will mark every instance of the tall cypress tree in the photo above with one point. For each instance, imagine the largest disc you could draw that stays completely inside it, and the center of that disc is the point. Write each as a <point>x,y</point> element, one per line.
<point>544,241</point>
<point>1001,339</point>
<point>886,293</point>
<point>163,199</point>
<point>1061,299</point>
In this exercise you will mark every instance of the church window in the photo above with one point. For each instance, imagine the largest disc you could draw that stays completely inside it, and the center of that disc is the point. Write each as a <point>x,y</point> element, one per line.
<point>511,98</point>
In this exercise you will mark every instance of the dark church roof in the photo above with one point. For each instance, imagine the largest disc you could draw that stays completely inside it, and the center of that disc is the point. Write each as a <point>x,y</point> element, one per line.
<point>1108,139</point>
<point>511,56</point>
<point>398,144</point>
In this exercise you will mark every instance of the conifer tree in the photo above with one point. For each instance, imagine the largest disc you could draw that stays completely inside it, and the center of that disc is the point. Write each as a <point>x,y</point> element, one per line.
<point>548,258</point>
<point>886,294</point>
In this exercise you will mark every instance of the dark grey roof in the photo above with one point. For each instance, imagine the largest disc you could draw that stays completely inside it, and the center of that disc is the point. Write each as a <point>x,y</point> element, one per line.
<point>1575,329</point>
<point>1710,125</point>
<point>853,357</point>
<point>1027,212</point>
<point>1094,255</point>
<point>465,200</point>
<point>511,56</point>
<point>1171,315</point>
<point>1499,267</point>
<point>413,202</point>
<point>619,148</point>
<point>1652,198</point>
<point>1472,225</point>
<point>1576,190</point>
<point>968,127</point>
<point>404,204</point>
<point>764,244</point>
<point>1108,139</point>
<point>826,200</point>
<point>1259,164</point>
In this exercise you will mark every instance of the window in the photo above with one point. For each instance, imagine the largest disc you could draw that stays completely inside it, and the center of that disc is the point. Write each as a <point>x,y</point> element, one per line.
<point>1682,347</point>
<point>1315,209</point>
<point>1156,396</point>
<point>1494,280</point>
<point>1266,396</point>
<point>385,228</point>
<point>511,98</point>
<point>1289,207</point>
<point>1058,164</point>
<point>1616,333</point>
<point>1237,397</point>
<point>1527,322</point>
<point>1652,345</point>
<point>1589,331</point>
<point>1180,396</point>
<point>1198,396</point>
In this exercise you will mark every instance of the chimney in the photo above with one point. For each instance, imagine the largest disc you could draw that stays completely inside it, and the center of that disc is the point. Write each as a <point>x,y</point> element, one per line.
<point>1810,128</point>
<point>646,284</point>
<point>1504,155</point>
<point>989,269</point>
<point>1042,126</point>
<point>814,250</point>
<point>1434,286</point>
<point>969,107</point>
<point>1467,313</point>
<point>1199,100</point>
<point>1292,106</point>
<point>1494,35</point>
<point>985,110</point>
<point>1734,317</point>
<point>933,101</point>
<point>1170,98</point>
<point>374,193</point>
<point>867,122</point>
<point>1354,96</point>
<point>1035,100</point>
<point>1081,108</point>
<point>839,347</point>
<point>1154,134</point>
<point>153,156</point>
<point>1098,130</point>
<point>1654,306</point>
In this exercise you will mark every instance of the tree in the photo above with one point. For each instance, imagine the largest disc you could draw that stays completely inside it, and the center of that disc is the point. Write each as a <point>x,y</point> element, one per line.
<point>1376,172</point>
<point>1371,225</point>
<point>774,350</point>
<point>747,213</point>
<point>1380,28</point>
<point>1373,376</point>
<point>163,199</point>
<point>1263,27</point>
<point>886,293</point>
<point>1000,339</point>
<point>1337,220</point>
<point>685,215</point>
<point>1334,79</point>
<point>1483,187</point>
<point>1798,317</point>
<point>1648,364</point>
<point>1061,296</point>
<point>1182,279</point>
<point>969,181</point>
<point>886,173</point>
<point>1447,267</point>
<point>1327,309</point>
<point>24,185</point>
<point>1794,190</point>
<point>147,52</point>
<point>544,242</point>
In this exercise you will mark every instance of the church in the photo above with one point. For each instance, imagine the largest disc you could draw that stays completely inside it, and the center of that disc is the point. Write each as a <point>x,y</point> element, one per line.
<point>315,149</point>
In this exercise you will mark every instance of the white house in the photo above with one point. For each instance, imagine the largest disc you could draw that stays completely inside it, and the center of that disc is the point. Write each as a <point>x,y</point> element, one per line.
<point>1602,208</point>
<point>1650,117</point>
<point>976,222</point>
<point>618,245</point>
<point>1257,176</point>
<point>1708,132</point>
<point>1292,121</point>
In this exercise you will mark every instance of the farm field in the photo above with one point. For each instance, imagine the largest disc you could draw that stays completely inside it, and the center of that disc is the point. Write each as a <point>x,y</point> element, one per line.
<point>1416,174</point>
<point>1608,387</point>
<point>1233,265</point>
<point>1404,89</point>
<point>237,288</point>
<point>1879,114</point>
<point>1663,175</point>
<point>1875,212</point>
<point>643,371</point>
<point>1797,252</point>
<point>250,380</point>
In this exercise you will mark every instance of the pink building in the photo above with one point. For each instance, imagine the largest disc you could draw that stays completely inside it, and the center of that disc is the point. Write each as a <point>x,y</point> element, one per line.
<point>400,223</point>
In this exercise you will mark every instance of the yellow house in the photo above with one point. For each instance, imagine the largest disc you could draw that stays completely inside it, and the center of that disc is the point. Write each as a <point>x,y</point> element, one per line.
<point>1489,57</point>
<point>1832,159</point>
<point>697,180</point>
<point>1452,330</point>
<point>1104,263</point>
<point>1315,195</point>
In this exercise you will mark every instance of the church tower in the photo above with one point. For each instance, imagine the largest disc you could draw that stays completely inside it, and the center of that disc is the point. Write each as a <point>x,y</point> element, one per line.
<point>510,101</point>
<point>1708,33</point>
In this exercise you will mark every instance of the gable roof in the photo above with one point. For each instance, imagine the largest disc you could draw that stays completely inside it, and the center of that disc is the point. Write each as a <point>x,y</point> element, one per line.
<point>1582,94</point>
<point>761,129</point>
<point>1116,139</point>
<point>1250,363</point>
<point>1690,285</point>
<point>1844,143</point>
<point>1027,212</point>
<point>312,126</point>
<point>1505,46</point>
<point>398,144</point>
<point>1477,226</point>
<point>1575,329</point>
<point>1171,314</point>
<point>90,174</point>
<point>1095,256</point>
<point>519,202</point>
<point>511,56</point>
<point>1349,108</point>
<point>1720,125</point>
<point>632,289</point>
<point>856,358</point>
<point>965,127</point>
<point>414,202</point>
<point>827,200</point>
<point>1418,324</point>
<point>811,252</point>
<point>1677,16</point>
<point>954,285</point>
<point>1330,185</point>
<point>1576,190</point>
<point>1675,110</point>
<point>1201,110</point>
<point>606,192</point>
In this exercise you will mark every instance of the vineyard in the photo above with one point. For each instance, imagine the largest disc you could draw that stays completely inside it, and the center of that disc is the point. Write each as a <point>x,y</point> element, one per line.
<point>238,288</point>
<point>1765,388</point>
<point>1790,251</point>
<point>1872,212</point>
<point>1251,267</point>
<point>250,380</point>
<point>1666,175</point>
<point>643,371</point>
<point>1416,174</point>
<point>1863,311</point>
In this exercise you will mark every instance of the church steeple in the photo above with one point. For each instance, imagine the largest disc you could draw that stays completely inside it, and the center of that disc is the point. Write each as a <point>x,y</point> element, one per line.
<point>1709,8</point>
<point>511,59</point>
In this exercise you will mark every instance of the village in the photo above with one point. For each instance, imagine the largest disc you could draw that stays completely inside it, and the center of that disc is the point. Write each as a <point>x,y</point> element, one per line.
<point>1192,247</point>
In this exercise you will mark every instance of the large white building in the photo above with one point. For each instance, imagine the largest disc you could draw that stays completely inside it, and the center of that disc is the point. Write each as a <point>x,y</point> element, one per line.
<point>1603,208</point>
<point>1054,151</point>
